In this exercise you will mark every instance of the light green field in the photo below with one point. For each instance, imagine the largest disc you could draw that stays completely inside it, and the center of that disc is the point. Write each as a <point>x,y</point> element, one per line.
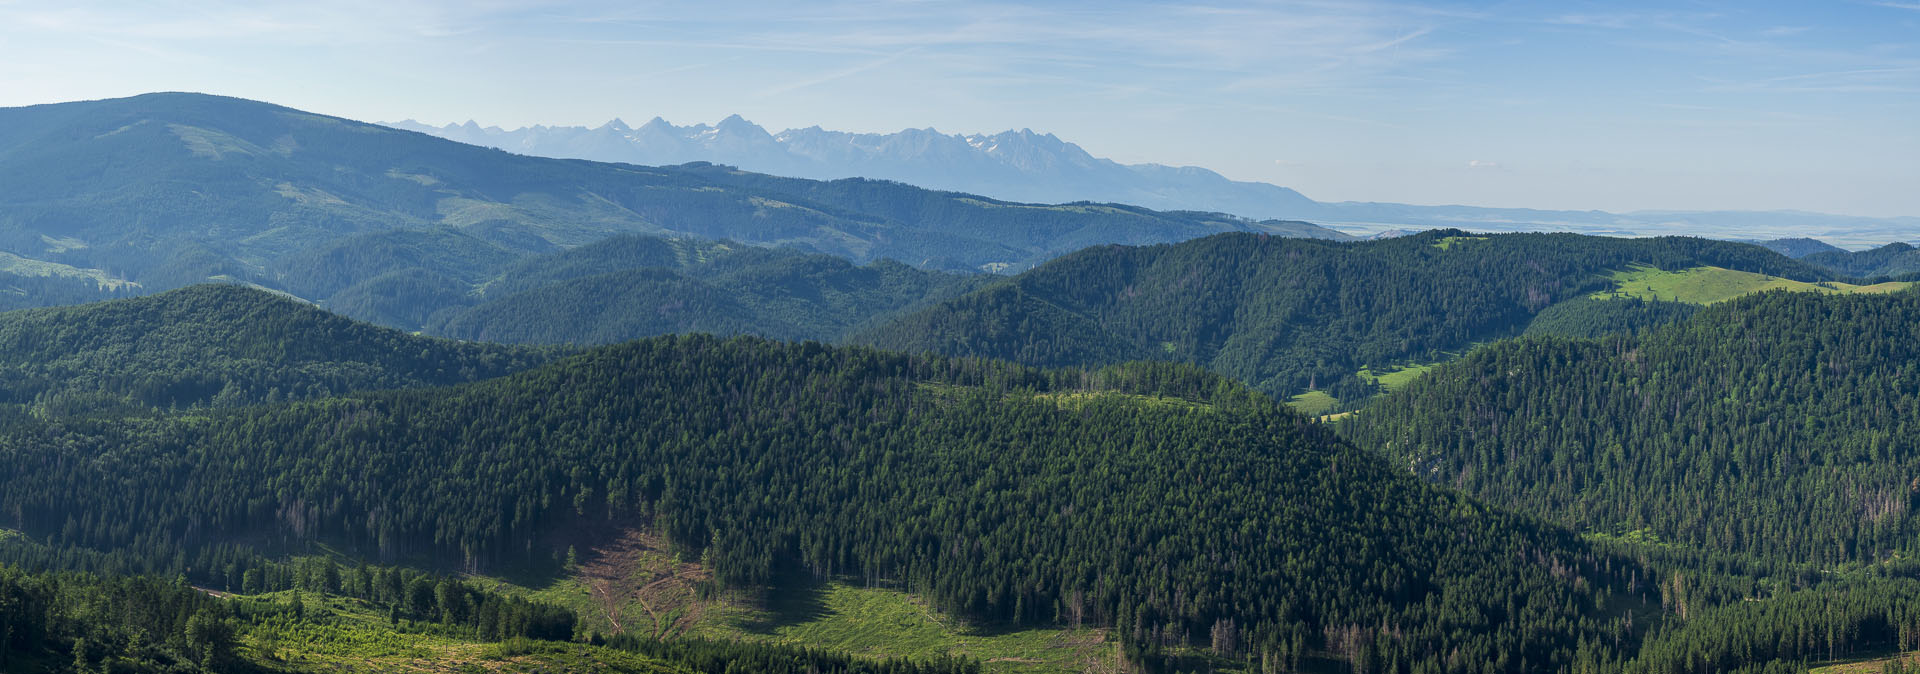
<point>346,635</point>
<point>1448,243</point>
<point>880,623</point>
<point>14,264</point>
<point>1313,403</point>
<point>1708,285</point>
<point>1320,403</point>
<point>1394,379</point>
<point>1866,666</point>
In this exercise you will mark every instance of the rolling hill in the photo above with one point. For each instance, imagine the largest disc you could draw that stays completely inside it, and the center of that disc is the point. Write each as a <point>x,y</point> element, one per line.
<point>630,286</point>
<point>999,493</point>
<point>1191,521</point>
<point>1777,426</point>
<point>220,345</point>
<point>1709,285</point>
<point>165,190</point>
<point>1289,316</point>
<point>1891,260</point>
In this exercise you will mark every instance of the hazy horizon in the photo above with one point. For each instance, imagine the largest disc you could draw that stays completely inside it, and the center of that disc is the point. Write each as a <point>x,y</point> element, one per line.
<point>1595,106</point>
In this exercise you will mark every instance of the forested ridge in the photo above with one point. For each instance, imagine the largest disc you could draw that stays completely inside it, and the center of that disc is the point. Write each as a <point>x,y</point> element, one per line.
<point>627,287</point>
<point>1593,317</point>
<point>1286,315</point>
<point>1779,425</point>
<point>1200,521</point>
<point>220,345</point>
<point>1892,260</point>
<point>1171,504</point>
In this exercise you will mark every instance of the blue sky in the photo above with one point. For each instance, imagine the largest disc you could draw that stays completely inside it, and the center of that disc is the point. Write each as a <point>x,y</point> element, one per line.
<point>1616,106</point>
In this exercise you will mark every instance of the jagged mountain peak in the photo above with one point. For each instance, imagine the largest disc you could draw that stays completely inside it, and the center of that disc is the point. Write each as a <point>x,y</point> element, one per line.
<point>1015,164</point>
<point>737,124</point>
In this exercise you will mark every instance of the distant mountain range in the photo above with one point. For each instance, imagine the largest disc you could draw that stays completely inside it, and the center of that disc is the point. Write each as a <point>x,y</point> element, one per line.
<point>1013,165</point>
<point>1033,167</point>
<point>127,196</point>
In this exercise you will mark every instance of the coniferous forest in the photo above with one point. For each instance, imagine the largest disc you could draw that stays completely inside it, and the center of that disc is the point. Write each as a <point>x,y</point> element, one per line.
<point>1779,425</point>
<point>1289,315</point>
<point>362,400</point>
<point>1181,510</point>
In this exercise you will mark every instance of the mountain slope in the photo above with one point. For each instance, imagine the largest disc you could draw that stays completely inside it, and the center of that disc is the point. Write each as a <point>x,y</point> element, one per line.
<point>167,190</point>
<point>1798,247</point>
<point>1172,505</point>
<point>1288,315</point>
<point>1893,259</point>
<point>1780,425</point>
<point>627,287</point>
<point>220,345</point>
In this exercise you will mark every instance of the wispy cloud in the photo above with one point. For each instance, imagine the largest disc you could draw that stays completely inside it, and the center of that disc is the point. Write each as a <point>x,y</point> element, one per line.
<point>1285,44</point>
<point>837,74</point>
<point>319,23</point>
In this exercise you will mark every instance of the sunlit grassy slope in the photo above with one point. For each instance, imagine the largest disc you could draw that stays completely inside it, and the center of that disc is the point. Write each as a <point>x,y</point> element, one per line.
<point>1708,285</point>
<point>878,623</point>
<point>635,584</point>
<point>1392,380</point>
<point>346,635</point>
<point>1313,402</point>
<point>1867,666</point>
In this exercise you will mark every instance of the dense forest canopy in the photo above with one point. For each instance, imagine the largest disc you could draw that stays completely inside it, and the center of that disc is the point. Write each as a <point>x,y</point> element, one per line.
<point>1169,503</point>
<point>627,287</point>
<point>221,345</point>
<point>1188,514</point>
<point>1779,425</point>
<point>1287,315</point>
<point>1892,260</point>
<point>1593,317</point>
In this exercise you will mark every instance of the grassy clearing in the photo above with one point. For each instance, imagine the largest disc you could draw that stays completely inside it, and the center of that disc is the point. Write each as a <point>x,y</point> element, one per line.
<point>1709,285</point>
<point>1447,243</point>
<point>1396,378</point>
<point>882,623</point>
<point>14,264</point>
<point>634,584</point>
<point>1321,404</point>
<point>1874,665</point>
<point>1313,403</point>
<point>347,635</point>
